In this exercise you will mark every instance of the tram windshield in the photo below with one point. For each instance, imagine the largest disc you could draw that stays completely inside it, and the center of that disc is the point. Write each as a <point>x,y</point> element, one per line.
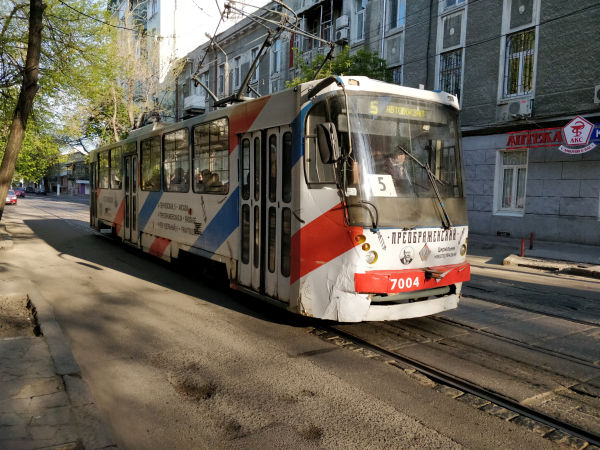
<point>400,163</point>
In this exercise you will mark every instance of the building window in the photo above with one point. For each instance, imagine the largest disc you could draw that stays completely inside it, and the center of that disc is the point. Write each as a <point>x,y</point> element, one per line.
<point>511,179</point>
<point>153,7</point>
<point>200,89</point>
<point>518,63</point>
<point>451,72</point>
<point>236,72</point>
<point>221,80</point>
<point>445,4</point>
<point>360,19</point>
<point>253,55</point>
<point>396,73</point>
<point>276,57</point>
<point>396,14</point>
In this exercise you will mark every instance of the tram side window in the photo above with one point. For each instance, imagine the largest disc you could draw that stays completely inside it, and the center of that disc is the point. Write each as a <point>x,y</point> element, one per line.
<point>272,167</point>
<point>286,168</point>
<point>131,148</point>
<point>116,169</point>
<point>176,165</point>
<point>151,164</point>
<point>211,157</point>
<point>103,169</point>
<point>245,169</point>
<point>316,171</point>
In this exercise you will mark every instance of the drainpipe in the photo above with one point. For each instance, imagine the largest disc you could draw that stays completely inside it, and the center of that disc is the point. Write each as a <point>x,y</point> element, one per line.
<point>383,30</point>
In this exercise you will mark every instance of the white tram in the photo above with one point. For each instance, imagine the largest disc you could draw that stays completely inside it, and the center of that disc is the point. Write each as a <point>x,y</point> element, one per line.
<point>339,199</point>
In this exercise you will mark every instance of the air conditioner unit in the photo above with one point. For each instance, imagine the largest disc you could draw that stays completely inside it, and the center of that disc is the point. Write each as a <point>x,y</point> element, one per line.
<point>514,110</point>
<point>519,109</point>
<point>597,94</point>
<point>341,35</point>
<point>341,22</point>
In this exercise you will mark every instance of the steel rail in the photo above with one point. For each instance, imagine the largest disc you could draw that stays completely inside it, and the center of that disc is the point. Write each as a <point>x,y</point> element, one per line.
<point>465,386</point>
<point>555,354</point>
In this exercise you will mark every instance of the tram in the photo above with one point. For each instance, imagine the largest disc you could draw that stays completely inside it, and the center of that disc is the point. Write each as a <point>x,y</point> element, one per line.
<point>339,199</point>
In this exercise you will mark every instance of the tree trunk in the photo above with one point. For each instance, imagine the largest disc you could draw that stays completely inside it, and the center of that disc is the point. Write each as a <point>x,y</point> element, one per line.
<point>114,117</point>
<point>29,88</point>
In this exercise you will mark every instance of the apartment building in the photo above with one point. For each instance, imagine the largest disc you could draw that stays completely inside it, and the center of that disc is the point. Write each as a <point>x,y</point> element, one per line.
<point>525,72</point>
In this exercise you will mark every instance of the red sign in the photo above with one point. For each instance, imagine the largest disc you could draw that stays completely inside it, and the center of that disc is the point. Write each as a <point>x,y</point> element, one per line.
<point>577,132</point>
<point>546,137</point>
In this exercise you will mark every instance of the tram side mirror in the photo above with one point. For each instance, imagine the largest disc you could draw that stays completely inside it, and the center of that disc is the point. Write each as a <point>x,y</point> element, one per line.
<point>328,143</point>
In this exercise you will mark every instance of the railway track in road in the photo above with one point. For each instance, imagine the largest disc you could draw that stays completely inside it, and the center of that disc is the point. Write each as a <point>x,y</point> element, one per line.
<point>488,400</point>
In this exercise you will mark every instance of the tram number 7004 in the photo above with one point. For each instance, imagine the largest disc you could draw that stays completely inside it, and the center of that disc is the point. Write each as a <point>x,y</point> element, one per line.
<point>404,284</point>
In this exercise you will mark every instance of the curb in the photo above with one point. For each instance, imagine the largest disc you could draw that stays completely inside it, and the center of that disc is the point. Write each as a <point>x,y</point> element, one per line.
<point>92,429</point>
<point>563,267</point>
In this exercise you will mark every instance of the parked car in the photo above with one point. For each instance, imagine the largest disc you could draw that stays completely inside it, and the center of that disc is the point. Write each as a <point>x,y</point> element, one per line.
<point>19,192</point>
<point>11,198</point>
<point>30,190</point>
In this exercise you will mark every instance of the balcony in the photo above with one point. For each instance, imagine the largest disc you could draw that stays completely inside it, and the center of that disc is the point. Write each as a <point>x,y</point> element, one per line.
<point>194,102</point>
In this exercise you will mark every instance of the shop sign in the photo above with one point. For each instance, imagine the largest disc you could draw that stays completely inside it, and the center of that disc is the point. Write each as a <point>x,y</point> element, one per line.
<point>577,133</point>
<point>578,136</point>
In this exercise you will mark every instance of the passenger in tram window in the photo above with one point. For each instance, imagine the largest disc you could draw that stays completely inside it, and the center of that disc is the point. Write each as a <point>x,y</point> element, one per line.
<point>396,165</point>
<point>213,184</point>
<point>198,182</point>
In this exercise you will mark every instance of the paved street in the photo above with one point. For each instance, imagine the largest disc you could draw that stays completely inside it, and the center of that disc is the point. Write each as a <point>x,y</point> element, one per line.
<point>175,362</point>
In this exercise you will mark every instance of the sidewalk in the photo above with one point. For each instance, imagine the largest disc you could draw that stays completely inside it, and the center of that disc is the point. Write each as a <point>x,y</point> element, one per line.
<point>560,257</point>
<point>44,401</point>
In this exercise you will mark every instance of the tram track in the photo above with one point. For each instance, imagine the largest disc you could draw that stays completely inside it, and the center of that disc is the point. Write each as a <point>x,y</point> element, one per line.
<point>492,401</point>
<point>519,343</point>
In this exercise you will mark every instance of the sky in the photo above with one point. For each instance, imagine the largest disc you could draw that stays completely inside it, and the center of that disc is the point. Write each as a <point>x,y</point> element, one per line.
<point>210,14</point>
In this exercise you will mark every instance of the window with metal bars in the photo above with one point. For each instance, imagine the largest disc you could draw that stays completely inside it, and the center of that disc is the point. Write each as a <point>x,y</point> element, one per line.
<point>451,72</point>
<point>518,63</point>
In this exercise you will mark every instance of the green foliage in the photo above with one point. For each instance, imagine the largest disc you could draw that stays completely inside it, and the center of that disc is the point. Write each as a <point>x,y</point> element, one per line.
<point>76,66</point>
<point>363,62</point>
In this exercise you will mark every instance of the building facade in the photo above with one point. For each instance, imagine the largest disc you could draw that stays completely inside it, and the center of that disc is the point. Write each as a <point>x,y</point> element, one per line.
<point>525,72</point>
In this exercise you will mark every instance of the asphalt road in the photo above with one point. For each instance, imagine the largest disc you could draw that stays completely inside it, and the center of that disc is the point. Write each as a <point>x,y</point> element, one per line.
<point>175,362</point>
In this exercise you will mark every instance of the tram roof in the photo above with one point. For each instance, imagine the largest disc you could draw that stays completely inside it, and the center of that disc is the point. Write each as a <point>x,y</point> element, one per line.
<point>350,83</point>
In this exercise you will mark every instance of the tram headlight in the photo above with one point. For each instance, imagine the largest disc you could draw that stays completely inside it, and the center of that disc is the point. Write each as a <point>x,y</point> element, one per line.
<point>366,247</point>
<point>360,238</point>
<point>371,257</point>
<point>463,249</point>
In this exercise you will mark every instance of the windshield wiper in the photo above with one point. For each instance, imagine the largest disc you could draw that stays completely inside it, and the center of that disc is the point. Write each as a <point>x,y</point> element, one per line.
<point>432,180</point>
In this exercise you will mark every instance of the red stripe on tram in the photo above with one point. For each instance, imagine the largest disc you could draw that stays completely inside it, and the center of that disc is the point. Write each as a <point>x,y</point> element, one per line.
<point>320,241</point>
<point>242,117</point>
<point>159,246</point>
<point>119,217</point>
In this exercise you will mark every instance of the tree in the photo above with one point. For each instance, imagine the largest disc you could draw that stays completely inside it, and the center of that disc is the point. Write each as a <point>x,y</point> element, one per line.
<point>53,47</point>
<point>127,92</point>
<point>363,62</point>
<point>29,88</point>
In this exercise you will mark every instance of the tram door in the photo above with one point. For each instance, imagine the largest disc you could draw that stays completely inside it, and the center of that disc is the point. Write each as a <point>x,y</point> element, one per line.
<point>130,219</point>
<point>266,195</point>
<point>93,193</point>
<point>251,194</point>
<point>278,200</point>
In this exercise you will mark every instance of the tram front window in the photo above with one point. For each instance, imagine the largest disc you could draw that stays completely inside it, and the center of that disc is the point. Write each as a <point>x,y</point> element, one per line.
<point>394,139</point>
